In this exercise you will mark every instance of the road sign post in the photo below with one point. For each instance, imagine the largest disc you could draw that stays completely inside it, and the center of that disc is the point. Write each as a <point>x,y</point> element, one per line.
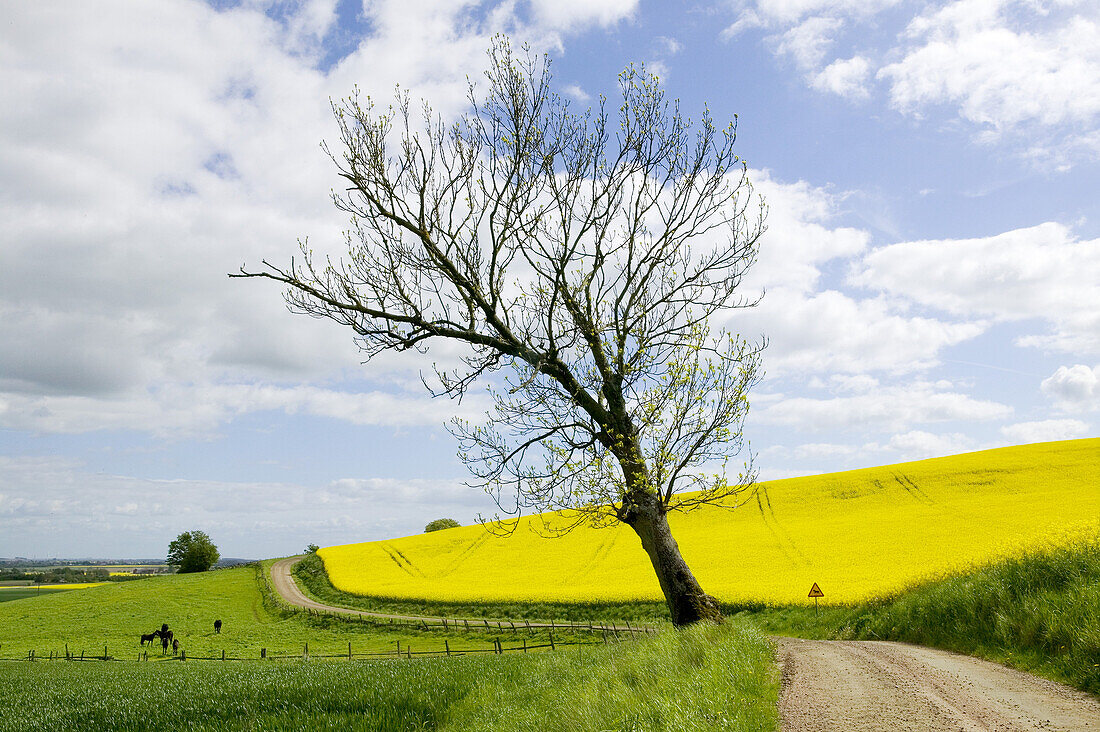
<point>815,592</point>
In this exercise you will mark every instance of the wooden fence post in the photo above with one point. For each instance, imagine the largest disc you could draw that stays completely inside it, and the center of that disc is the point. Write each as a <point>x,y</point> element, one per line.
<point>552,648</point>
<point>104,653</point>
<point>81,654</point>
<point>399,649</point>
<point>525,645</point>
<point>223,654</point>
<point>305,651</point>
<point>467,622</point>
<point>263,653</point>
<point>409,650</point>
<point>447,646</point>
<point>183,655</point>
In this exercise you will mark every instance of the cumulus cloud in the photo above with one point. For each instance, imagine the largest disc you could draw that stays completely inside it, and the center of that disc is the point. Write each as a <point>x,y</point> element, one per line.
<point>1004,63</point>
<point>154,148</point>
<point>1043,273</point>
<point>1074,388</point>
<point>918,444</point>
<point>888,408</point>
<point>1047,430</point>
<point>571,14</point>
<point>1017,69</point>
<point>845,77</point>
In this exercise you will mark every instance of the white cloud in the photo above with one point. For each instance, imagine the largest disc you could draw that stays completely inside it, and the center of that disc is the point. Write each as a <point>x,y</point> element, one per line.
<point>1074,388</point>
<point>130,516</point>
<point>1042,272</point>
<point>846,78</point>
<point>808,42</point>
<point>154,148</point>
<point>571,14</point>
<point>1006,64</point>
<point>179,410</point>
<point>891,408</point>
<point>1048,430</point>
<point>918,445</point>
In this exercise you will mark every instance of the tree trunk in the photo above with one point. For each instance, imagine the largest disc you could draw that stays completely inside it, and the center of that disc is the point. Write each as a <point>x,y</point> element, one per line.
<point>685,597</point>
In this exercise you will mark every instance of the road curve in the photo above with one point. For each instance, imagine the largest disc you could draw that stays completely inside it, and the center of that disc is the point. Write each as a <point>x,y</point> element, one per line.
<point>288,589</point>
<point>876,686</point>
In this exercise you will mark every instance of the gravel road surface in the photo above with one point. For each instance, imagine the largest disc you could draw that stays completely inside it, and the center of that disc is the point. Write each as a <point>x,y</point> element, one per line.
<point>873,686</point>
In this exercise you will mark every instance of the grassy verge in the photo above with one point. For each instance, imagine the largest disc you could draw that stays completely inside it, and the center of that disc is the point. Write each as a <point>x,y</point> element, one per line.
<point>313,579</point>
<point>705,678</point>
<point>1039,612</point>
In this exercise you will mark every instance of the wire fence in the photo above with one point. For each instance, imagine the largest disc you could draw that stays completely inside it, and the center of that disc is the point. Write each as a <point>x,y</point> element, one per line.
<point>400,651</point>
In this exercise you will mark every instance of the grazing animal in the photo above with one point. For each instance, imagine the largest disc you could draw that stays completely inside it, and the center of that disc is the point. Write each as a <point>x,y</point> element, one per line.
<point>175,646</point>
<point>217,626</point>
<point>149,637</point>
<point>169,636</point>
<point>164,643</point>
<point>164,628</point>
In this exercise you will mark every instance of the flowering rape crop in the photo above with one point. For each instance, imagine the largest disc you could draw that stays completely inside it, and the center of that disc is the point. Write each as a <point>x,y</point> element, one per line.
<point>859,534</point>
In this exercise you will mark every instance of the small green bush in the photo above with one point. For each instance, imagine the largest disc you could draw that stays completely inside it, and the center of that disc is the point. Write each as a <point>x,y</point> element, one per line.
<point>439,524</point>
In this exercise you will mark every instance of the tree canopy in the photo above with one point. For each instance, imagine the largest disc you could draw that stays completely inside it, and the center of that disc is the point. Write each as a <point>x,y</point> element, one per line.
<point>192,551</point>
<point>593,258</point>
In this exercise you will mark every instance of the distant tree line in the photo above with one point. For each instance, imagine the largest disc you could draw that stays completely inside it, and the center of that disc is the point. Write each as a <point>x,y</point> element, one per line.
<point>63,575</point>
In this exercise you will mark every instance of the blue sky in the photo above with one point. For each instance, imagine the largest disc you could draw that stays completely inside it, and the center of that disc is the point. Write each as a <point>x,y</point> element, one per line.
<point>932,262</point>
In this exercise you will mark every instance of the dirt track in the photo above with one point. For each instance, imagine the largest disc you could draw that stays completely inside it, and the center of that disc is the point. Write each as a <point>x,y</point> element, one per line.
<point>288,589</point>
<point>871,686</point>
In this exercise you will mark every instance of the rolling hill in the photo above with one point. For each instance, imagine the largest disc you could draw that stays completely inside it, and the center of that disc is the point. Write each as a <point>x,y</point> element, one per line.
<point>859,534</point>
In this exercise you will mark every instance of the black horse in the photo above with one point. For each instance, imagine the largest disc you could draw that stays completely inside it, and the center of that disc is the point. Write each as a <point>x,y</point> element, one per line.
<point>217,626</point>
<point>149,637</point>
<point>175,646</point>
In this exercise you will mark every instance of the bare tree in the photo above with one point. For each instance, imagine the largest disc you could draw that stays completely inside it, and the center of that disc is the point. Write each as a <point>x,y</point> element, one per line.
<point>587,255</point>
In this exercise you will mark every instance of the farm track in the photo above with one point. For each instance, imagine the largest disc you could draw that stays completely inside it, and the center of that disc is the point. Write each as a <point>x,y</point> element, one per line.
<point>288,589</point>
<point>877,686</point>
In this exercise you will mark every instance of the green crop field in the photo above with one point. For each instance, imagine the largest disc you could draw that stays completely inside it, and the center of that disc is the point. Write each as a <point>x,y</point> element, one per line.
<point>18,593</point>
<point>724,678</point>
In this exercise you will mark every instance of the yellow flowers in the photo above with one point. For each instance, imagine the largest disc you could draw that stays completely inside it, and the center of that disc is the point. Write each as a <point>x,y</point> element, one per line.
<point>858,534</point>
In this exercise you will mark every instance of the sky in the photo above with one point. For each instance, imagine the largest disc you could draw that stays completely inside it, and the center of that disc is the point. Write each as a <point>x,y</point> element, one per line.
<point>931,265</point>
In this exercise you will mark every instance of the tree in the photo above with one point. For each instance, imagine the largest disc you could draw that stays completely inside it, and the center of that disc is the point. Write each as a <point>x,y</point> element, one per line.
<point>589,257</point>
<point>192,551</point>
<point>440,524</point>
<point>311,549</point>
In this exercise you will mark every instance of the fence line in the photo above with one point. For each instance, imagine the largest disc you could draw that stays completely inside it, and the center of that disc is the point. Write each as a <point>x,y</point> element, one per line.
<point>405,652</point>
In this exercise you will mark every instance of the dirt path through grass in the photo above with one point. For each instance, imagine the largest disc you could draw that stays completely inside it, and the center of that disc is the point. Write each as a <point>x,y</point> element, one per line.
<point>876,686</point>
<point>288,589</point>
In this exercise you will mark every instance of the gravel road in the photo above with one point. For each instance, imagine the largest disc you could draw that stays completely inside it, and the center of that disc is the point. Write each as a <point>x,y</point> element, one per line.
<point>873,686</point>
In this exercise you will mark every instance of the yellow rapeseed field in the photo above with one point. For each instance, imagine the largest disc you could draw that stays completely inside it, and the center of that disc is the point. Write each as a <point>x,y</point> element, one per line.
<point>858,534</point>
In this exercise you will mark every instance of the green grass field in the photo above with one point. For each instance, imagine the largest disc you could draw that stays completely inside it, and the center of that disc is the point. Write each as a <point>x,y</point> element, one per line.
<point>18,593</point>
<point>706,678</point>
<point>115,615</point>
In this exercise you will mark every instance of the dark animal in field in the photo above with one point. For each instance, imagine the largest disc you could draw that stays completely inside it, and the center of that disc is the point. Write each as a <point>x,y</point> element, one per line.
<point>217,626</point>
<point>164,628</point>
<point>164,643</point>
<point>149,637</point>
<point>175,646</point>
<point>169,634</point>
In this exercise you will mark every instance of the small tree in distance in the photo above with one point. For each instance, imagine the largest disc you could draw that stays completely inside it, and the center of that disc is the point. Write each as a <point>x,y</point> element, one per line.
<point>192,551</point>
<point>589,255</point>
<point>439,524</point>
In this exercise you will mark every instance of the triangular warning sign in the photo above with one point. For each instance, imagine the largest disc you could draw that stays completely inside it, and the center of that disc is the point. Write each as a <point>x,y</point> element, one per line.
<point>815,591</point>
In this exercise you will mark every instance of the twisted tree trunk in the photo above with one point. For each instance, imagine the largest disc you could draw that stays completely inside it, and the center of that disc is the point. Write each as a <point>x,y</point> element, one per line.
<point>687,602</point>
